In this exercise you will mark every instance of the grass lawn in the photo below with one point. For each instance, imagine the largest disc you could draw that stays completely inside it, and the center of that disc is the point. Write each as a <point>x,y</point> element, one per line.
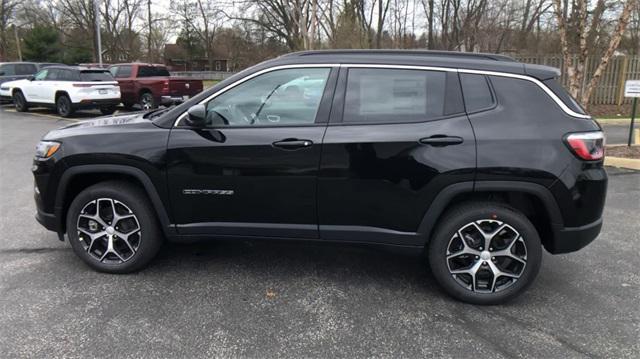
<point>617,120</point>
<point>208,83</point>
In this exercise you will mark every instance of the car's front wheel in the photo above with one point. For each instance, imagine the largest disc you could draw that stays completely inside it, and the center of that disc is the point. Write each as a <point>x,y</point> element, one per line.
<point>112,227</point>
<point>485,253</point>
<point>64,107</point>
<point>20,102</point>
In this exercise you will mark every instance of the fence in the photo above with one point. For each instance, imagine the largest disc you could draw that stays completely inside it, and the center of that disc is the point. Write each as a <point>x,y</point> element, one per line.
<point>609,91</point>
<point>610,88</point>
<point>204,75</point>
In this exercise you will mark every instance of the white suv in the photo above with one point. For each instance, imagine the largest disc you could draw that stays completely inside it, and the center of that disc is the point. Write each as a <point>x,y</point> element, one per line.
<point>66,89</point>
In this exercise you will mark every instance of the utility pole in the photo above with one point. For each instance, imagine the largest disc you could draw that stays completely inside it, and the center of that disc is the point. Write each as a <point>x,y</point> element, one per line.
<point>18,47</point>
<point>149,35</point>
<point>96,10</point>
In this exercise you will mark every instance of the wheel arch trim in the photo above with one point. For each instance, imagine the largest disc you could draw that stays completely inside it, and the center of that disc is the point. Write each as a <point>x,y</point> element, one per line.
<point>444,198</point>
<point>136,173</point>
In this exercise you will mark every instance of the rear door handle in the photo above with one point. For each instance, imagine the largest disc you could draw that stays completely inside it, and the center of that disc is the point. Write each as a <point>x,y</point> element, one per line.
<point>293,144</point>
<point>440,141</point>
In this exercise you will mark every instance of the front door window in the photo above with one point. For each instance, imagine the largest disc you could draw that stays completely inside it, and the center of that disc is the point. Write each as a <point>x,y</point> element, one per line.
<point>288,97</point>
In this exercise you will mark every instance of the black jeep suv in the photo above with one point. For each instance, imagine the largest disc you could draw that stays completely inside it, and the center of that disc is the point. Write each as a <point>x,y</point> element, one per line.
<point>479,159</point>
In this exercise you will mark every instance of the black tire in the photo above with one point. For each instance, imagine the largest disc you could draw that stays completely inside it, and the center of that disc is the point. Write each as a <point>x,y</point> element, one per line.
<point>107,110</point>
<point>147,102</point>
<point>20,102</point>
<point>64,107</point>
<point>444,240</point>
<point>148,239</point>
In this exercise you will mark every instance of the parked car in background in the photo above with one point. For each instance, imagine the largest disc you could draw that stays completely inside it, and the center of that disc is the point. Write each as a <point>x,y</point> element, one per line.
<point>66,89</point>
<point>150,85</point>
<point>11,71</point>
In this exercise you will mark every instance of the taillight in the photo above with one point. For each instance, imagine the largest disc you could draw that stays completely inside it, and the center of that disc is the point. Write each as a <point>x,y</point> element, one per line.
<point>588,146</point>
<point>165,87</point>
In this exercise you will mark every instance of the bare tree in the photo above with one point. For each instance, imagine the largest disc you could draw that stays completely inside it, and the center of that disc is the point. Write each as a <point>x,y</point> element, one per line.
<point>204,18</point>
<point>574,33</point>
<point>7,14</point>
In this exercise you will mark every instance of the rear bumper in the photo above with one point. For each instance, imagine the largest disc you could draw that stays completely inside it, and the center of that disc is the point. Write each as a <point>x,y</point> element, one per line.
<point>97,103</point>
<point>571,239</point>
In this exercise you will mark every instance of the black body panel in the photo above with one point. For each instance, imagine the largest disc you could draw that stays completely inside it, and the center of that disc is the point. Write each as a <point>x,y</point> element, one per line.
<point>384,182</point>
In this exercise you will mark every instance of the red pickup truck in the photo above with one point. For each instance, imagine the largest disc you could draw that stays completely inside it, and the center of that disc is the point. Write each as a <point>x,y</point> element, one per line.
<point>150,85</point>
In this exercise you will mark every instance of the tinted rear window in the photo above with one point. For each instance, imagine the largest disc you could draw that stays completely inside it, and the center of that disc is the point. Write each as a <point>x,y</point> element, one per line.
<point>95,76</point>
<point>383,95</point>
<point>477,93</point>
<point>26,69</point>
<point>557,88</point>
<point>151,71</point>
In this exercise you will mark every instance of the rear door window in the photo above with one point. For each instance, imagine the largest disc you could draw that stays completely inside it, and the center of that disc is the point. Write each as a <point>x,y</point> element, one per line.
<point>477,92</point>
<point>53,75</point>
<point>68,75</point>
<point>394,95</point>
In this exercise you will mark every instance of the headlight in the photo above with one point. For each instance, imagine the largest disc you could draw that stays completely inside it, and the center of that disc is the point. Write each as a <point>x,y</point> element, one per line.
<point>46,149</point>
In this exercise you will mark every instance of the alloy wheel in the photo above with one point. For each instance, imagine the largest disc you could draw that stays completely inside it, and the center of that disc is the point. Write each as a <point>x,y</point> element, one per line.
<point>486,256</point>
<point>63,107</point>
<point>146,102</point>
<point>109,231</point>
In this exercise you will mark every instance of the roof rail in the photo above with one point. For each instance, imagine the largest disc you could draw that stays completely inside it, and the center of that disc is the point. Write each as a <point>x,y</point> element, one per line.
<point>433,53</point>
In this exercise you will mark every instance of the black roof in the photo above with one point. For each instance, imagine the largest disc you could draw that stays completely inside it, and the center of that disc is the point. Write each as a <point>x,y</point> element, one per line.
<point>447,59</point>
<point>76,68</point>
<point>392,52</point>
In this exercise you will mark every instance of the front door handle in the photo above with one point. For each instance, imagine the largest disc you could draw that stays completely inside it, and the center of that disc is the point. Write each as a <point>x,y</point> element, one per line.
<point>293,144</point>
<point>441,141</point>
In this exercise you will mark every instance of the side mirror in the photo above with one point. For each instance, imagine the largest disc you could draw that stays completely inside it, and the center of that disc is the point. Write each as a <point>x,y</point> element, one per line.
<point>1,73</point>
<point>31,78</point>
<point>197,115</point>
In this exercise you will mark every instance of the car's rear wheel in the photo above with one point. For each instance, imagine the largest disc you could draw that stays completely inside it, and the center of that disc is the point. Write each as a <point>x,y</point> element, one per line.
<point>112,227</point>
<point>485,253</point>
<point>147,101</point>
<point>20,102</point>
<point>64,107</point>
<point>107,110</point>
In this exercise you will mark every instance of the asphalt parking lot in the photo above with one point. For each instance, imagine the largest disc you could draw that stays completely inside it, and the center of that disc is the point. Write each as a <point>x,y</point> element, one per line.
<point>266,299</point>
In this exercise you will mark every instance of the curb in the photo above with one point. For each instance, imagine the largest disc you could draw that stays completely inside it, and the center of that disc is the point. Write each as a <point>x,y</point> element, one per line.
<point>629,163</point>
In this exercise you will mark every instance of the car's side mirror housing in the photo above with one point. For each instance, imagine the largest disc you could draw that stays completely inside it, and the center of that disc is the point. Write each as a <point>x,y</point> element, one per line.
<point>197,115</point>
<point>31,78</point>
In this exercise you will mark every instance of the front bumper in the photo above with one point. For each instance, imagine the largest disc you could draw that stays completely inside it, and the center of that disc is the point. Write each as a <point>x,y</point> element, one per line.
<point>170,100</point>
<point>571,239</point>
<point>47,220</point>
